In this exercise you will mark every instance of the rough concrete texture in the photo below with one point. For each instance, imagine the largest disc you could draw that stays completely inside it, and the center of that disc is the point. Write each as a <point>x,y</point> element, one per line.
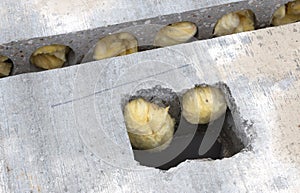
<point>28,19</point>
<point>187,140</point>
<point>63,130</point>
<point>27,25</point>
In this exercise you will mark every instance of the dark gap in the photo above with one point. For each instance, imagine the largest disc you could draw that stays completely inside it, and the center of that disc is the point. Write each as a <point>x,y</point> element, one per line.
<point>70,59</point>
<point>187,137</point>
<point>12,67</point>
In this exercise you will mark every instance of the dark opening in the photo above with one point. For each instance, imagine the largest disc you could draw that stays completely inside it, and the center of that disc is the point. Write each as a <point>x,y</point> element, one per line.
<point>6,63</point>
<point>70,57</point>
<point>188,137</point>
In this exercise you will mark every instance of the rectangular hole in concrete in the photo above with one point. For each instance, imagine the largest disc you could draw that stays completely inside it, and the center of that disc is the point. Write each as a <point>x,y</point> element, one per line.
<point>188,137</point>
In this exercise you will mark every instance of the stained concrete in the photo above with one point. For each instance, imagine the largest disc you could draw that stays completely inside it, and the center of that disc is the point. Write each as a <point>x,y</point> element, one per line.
<point>63,130</point>
<point>28,25</point>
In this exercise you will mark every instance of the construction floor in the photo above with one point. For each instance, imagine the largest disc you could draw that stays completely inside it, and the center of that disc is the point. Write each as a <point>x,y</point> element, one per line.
<point>63,130</point>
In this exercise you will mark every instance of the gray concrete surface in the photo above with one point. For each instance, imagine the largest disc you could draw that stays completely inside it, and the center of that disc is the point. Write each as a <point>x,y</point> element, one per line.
<point>63,130</point>
<point>28,19</point>
<point>27,25</point>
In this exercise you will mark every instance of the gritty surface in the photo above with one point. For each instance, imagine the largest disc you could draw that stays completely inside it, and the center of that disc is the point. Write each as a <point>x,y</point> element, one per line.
<point>27,25</point>
<point>63,130</point>
<point>39,18</point>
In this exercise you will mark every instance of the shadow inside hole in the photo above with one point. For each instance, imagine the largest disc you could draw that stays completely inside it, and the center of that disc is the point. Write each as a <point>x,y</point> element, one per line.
<point>12,66</point>
<point>146,47</point>
<point>142,48</point>
<point>187,137</point>
<point>9,62</point>
<point>70,59</point>
<point>190,137</point>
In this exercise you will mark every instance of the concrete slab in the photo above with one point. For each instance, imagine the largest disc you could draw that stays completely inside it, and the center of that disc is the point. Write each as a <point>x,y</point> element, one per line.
<point>29,19</point>
<point>27,25</point>
<point>63,131</point>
